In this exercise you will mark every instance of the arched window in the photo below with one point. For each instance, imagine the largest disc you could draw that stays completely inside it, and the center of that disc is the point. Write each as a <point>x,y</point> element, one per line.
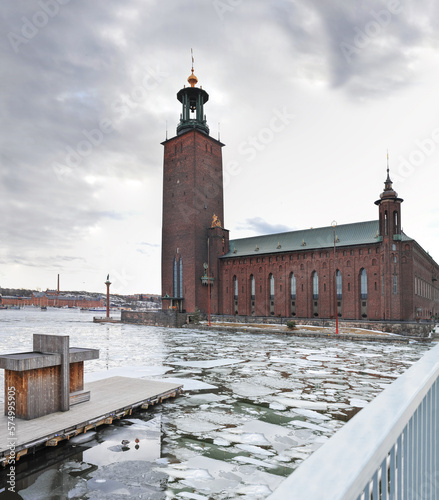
<point>315,285</point>
<point>339,287</point>
<point>252,286</point>
<point>175,280</point>
<point>293,286</point>
<point>385,222</point>
<point>363,284</point>
<point>395,223</point>
<point>235,286</point>
<point>271,278</point>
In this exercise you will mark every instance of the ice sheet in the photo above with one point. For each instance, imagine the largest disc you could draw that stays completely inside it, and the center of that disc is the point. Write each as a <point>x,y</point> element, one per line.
<point>208,363</point>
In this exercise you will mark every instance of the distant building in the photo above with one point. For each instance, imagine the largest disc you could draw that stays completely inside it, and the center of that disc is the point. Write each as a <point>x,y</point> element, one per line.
<point>49,299</point>
<point>366,270</point>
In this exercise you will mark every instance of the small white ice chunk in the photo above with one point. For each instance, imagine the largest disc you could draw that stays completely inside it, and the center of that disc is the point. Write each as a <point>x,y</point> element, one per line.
<point>358,403</point>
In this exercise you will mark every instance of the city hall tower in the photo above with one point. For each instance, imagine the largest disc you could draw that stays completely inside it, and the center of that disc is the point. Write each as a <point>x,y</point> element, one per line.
<point>193,236</point>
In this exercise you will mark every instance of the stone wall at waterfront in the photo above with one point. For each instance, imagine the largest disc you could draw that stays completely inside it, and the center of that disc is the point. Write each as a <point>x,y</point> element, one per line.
<point>173,319</point>
<point>410,329</point>
<point>168,318</point>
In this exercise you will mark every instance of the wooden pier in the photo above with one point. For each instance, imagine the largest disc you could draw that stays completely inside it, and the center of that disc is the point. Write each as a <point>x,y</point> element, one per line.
<point>111,398</point>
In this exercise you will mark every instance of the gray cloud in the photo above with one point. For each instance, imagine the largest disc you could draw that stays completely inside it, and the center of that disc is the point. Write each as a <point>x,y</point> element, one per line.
<point>124,62</point>
<point>260,226</point>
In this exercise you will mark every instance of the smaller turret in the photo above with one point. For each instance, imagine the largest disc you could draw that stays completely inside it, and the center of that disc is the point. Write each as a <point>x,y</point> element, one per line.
<point>389,209</point>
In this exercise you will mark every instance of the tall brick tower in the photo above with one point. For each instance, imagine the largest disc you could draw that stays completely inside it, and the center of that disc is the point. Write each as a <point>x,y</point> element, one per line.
<point>192,209</point>
<point>390,235</point>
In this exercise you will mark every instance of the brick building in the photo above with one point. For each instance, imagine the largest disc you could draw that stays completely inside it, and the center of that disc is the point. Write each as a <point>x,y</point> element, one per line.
<point>51,298</point>
<point>366,270</point>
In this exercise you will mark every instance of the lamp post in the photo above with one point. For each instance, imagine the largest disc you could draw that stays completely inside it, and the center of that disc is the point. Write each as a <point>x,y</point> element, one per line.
<point>108,283</point>
<point>208,277</point>
<point>334,225</point>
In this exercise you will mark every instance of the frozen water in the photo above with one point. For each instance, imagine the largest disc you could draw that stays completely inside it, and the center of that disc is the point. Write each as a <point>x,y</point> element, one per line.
<point>212,363</point>
<point>248,389</point>
<point>254,449</point>
<point>254,407</point>
<point>358,403</point>
<point>83,438</point>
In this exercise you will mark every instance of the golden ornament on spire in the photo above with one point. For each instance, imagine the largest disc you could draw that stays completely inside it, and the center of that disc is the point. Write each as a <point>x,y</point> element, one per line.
<point>192,78</point>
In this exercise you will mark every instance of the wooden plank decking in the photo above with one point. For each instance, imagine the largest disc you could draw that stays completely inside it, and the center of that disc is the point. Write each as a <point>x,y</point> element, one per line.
<point>110,398</point>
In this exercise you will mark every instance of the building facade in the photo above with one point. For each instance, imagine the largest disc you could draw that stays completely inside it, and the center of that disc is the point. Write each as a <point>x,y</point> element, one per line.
<point>52,299</point>
<point>366,270</point>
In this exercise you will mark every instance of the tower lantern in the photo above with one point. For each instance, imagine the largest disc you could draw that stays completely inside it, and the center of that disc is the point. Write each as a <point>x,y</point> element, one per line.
<point>192,99</point>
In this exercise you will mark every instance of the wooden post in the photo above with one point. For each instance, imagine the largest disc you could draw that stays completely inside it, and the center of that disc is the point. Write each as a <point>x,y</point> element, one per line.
<point>57,344</point>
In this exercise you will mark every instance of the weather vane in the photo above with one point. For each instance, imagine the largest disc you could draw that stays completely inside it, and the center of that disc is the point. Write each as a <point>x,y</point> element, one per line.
<point>192,56</point>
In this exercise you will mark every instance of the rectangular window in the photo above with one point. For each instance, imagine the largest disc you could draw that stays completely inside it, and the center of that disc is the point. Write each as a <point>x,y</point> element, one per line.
<point>181,279</point>
<point>395,284</point>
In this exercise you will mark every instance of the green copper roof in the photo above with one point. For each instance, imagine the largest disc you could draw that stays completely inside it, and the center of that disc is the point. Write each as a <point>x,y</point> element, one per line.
<point>358,233</point>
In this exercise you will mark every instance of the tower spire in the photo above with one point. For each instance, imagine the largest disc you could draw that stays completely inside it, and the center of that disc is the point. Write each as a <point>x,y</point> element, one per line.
<point>388,183</point>
<point>388,192</point>
<point>192,78</point>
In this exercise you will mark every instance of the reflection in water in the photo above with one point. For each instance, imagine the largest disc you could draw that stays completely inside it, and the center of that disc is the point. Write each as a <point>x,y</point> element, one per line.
<point>255,406</point>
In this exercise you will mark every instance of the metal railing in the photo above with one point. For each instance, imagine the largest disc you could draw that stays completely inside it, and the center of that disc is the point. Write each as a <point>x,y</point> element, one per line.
<point>388,451</point>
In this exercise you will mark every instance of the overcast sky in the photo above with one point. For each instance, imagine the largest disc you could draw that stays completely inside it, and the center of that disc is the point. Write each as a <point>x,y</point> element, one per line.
<point>309,95</point>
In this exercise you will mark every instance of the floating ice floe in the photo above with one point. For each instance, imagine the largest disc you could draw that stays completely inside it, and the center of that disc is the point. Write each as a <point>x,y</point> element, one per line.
<point>208,363</point>
<point>128,371</point>
<point>194,425</point>
<point>189,384</point>
<point>358,403</point>
<point>197,399</point>
<point>83,438</point>
<point>275,405</point>
<point>314,415</point>
<point>309,425</point>
<point>255,449</point>
<point>248,389</point>
<point>218,476</point>
<point>254,461</point>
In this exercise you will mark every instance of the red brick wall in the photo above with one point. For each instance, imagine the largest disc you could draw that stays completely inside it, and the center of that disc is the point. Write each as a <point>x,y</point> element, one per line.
<point>192,193</point>
<point>378,260</point>
<point>350,261</point>
<point>426,291</point>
